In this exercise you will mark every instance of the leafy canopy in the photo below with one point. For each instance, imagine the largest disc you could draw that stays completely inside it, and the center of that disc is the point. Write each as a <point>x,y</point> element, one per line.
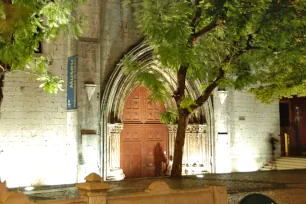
<point>24,24</point>
<point>254,45</point>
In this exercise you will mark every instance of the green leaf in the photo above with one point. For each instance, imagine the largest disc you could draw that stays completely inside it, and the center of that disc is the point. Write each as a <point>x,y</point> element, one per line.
<point>31,22</point>
<point>169,117</point>
<point>187,103</point>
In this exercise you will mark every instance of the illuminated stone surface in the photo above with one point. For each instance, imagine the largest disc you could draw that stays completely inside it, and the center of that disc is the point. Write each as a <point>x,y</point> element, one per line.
<point>93,177</point>
<point>285,187</point>
<point>39,136</point>
<point>158,186</point>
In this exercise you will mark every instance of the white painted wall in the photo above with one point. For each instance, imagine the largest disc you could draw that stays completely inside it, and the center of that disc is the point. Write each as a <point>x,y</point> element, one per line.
<point>37,146</point>
<point>41,141</point>
<point>248,123</point>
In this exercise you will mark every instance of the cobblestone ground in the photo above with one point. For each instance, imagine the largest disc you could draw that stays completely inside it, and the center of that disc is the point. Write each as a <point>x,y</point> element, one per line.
<point>285,187</point>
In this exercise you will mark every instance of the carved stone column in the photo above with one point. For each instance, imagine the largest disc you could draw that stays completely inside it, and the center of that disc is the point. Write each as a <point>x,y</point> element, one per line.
<point>195,149</point>
<point>172,129</point>
<point>195,152</point>
<point>113,152</point>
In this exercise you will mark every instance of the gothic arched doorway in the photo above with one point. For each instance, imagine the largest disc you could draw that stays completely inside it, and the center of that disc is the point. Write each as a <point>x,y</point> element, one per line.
<point>141,134</point>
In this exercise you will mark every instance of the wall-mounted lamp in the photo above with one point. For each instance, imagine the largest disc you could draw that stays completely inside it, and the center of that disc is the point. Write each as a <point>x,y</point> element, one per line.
<point>222,94</point>
<point>90,89</point>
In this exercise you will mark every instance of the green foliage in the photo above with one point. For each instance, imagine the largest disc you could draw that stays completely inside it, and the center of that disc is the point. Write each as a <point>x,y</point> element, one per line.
<point>27,23</point>
<point>257,45</point>
<point>285,77</point>
<point>153,81</point>
<point>260,45</point>
<point>149,78</point>
<point>170,37</point>
<point>130,64</point>
<point>2,13</point>
<point>168,117</point>
<point>187,103</point>
<point>51,84</point>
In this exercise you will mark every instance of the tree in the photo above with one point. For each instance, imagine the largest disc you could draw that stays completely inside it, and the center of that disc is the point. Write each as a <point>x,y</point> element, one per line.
<point>258,46</point>
<point>24,24</point>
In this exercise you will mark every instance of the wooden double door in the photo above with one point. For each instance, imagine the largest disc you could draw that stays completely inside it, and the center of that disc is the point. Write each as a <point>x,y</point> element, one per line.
<point>144,140</point>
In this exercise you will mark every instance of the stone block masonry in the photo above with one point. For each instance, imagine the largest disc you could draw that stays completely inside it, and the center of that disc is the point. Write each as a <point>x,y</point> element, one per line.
<point>42,141</point>
<point>37,147</point>
<point>39,138</point>
<point>33,135</point>
<point>243,125</point>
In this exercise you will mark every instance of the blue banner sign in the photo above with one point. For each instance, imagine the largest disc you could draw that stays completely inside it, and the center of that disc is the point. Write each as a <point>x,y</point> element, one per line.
<point>72,83</point>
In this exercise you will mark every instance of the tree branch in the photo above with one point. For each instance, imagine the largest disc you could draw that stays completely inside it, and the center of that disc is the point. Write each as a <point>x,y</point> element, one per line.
<point>205,95</point>
<point>1,85</point>
<point>196,36</point>
<point>203,98</point>
<point>197,16</point>
<point>209,27</point>
<point>181,82</point>
<point>4,67</point>
<point>249,41</point>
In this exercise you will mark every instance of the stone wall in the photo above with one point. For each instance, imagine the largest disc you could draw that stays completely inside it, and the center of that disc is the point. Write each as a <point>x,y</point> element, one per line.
<point>160,192</point>
<point>40,138</point>
<point>118,34</point>
<point>89,110</point>
<point>243,125</point>
<point>95,191</point>
<point>33,128</point>
<point>36,130</point>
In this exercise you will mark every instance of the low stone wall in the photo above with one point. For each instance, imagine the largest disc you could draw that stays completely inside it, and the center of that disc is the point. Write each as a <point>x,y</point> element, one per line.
<point>160,192</point>
<point>71,201</point>
<point>11,197</point>
<point>94,191</point>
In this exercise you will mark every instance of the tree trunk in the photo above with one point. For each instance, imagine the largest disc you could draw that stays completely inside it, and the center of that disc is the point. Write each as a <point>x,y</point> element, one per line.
<point>179,144</point>
<point>1,86</point>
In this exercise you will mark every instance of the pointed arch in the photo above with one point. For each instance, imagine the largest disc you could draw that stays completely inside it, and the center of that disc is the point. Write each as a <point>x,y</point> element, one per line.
<point>120,86</point>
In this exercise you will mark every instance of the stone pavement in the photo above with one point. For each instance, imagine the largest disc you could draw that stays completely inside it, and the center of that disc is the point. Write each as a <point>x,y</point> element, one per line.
<point>285,187</point>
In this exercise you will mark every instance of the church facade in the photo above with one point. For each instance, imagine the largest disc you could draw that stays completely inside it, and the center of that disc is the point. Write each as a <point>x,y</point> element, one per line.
<point>103,122</point>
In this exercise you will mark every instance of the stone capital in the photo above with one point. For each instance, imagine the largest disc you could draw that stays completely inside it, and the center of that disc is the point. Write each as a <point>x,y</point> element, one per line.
<point>195,128</point>
<point>94,184</point>
<point>115,128</point>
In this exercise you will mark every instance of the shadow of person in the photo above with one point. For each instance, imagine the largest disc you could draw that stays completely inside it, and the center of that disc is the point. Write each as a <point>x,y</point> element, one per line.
<point>159,158</point>
<point>273,142</point>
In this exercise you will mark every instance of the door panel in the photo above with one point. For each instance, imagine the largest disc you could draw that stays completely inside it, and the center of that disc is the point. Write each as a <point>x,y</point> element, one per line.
<point>138,143</point>
<point>130,148</point>
<point>153,112</point>
<point>141,133</point>
<point>147,169</point>
<point>133,107</point>
<point>138,108</point>
<point>131,159</point>
<point>154,134</point>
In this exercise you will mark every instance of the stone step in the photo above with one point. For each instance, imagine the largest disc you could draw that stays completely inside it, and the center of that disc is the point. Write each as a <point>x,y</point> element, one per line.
<point>293,159</point>
<point>287,163</point>
<point>286,166</point>
<point>279,168</point>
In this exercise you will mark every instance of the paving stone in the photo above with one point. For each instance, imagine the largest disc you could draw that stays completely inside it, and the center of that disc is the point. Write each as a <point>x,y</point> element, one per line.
<point>285,187</point>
